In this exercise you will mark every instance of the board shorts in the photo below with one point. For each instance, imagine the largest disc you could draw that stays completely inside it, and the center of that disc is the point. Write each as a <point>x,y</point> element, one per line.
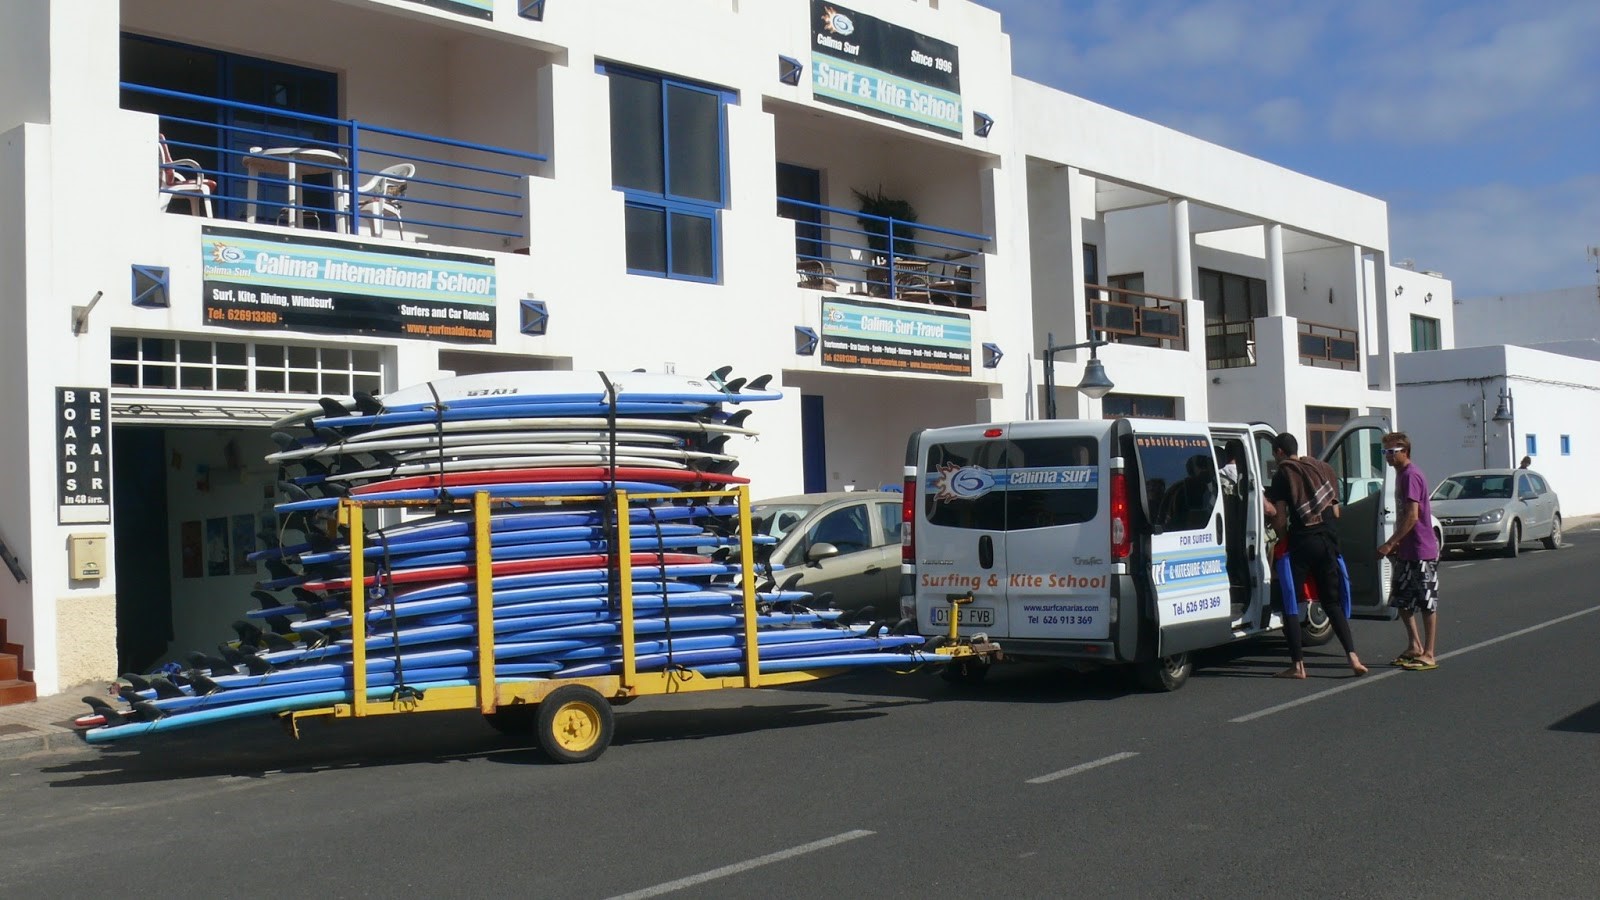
<point>1415,586</point>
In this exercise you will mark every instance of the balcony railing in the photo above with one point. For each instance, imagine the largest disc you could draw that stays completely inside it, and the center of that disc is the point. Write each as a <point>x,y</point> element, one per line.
<point>349,172</point>
<point>892,258</point>
<point>1134,317</point>
<point>1230,345</point>
<point>1329,346</point>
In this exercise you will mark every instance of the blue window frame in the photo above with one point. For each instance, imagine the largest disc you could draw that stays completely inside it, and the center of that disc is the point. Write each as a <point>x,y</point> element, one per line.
<point>669,158</point>
<point>1533,444</point>
<point>1566,445</point>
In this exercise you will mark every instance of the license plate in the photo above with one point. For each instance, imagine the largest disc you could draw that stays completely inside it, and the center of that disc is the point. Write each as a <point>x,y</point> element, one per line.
<point>1458,531</point>
<point>981,616</point>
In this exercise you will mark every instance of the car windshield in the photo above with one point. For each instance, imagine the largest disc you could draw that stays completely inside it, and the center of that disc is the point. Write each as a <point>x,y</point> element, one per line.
<point>777,521</point>
<point>1474,487</point>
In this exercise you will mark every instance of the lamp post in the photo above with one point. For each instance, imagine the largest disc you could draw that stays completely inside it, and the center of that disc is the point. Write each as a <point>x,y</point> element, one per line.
<point>1507,412</point>
<point>1094,384</point>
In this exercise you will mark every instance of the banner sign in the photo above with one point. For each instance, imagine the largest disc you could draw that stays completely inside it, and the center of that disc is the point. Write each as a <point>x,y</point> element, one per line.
<point>883,69</point>
<point>861,335</point>
<point>83,455</point>
<point>477,9</point>
<point>260,281</point>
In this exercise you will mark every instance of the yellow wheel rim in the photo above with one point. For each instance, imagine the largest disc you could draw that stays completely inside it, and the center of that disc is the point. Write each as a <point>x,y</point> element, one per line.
<point>576,726</point>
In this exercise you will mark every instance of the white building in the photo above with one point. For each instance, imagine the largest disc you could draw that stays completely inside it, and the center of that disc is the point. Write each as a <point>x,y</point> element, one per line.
<point>1448,403</point>
<point>609,184</point>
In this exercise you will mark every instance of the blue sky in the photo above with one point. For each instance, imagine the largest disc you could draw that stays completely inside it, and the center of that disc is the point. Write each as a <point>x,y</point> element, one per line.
<point>1477,121</point>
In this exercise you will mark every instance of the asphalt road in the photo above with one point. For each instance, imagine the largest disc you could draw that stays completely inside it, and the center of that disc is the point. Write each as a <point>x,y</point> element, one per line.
<point>1477,779</point>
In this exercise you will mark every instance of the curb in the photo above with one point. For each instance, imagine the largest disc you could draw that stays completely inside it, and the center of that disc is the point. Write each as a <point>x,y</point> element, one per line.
<point>36,744</point>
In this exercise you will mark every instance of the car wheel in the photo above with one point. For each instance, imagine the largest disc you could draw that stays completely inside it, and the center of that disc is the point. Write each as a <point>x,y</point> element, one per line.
<point>1514,543</point>
<point>1317,629</point>
<point>1554,540</point>
<point>1167,673</point>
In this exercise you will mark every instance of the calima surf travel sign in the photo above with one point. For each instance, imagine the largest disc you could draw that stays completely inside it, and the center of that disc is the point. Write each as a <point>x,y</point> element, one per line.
<point>886,70</point>
<point>258,281</point>
<point>83,457</point>
<point>861,335</point>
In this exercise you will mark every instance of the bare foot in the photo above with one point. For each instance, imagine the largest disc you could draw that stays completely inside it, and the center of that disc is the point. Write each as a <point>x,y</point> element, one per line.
<point>1358,668</point>
<point>1292,672</point>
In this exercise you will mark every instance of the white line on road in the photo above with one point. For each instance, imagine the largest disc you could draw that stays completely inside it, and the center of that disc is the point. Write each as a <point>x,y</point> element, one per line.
<point>747,865</point>
<point>1362,682</point>
<point>1462,565</point>
<point>1115,757</point>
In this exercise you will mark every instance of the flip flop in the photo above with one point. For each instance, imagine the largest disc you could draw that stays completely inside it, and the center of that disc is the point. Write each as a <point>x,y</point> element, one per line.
<point>1401,661</point>
<point>1417,665</point>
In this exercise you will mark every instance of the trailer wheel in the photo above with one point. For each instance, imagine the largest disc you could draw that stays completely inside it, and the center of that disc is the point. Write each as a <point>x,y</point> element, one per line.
<point>1167,673</point>
<point>1317,629</point>
<point>514,721</point>
<point>967,671</point>
<point>575,724</point>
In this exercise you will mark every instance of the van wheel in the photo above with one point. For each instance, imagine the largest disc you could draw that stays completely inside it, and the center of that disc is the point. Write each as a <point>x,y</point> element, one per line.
<point>1514,543</point>
<point>967,671</point>
<point>1317,629</point>
<point>1167,673</point>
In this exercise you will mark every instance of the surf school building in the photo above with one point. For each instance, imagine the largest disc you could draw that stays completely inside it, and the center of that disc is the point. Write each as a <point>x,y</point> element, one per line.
<point>212,215</point>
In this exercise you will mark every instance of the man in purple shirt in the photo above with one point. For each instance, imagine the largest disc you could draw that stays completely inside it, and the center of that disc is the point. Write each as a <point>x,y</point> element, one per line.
<point>1415,551</point>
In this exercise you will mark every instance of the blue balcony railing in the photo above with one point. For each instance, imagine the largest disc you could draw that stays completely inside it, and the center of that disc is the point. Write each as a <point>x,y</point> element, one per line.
<point>349,176</point>
<point>884,257</point>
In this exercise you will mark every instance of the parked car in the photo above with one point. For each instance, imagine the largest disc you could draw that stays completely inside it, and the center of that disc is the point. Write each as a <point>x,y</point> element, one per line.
<point>845,542</point>
<point>1497,509</point>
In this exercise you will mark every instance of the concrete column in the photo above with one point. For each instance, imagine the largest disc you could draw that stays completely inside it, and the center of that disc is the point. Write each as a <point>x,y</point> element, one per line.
<point>1182,259</point>
<point>1380,375</point>
<point>1277,303</point>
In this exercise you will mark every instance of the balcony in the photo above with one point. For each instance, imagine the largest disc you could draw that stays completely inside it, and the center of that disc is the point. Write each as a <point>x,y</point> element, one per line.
<point>1137,318</point>
<point>275,166</point>
<point>1329,346</point>
<point>885,257</point>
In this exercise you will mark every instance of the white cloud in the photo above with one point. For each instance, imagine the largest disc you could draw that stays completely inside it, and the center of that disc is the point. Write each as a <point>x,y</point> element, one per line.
<point>1502,238</point>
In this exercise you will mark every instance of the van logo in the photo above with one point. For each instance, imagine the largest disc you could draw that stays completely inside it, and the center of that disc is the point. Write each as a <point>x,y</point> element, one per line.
<point>962,482</point>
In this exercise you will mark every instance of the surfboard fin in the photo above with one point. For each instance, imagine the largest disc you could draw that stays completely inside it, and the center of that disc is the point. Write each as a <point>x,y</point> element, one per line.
<point>719,374</point>
<point>332,408</point>
<point>791,581</point>
<point>293,491</point>
<point>285,442</point>
<point>166,690</point>
<point>255,665</point>
<point>737,419</point>
<point>146,711</point>
<point>205,686</point>
<point>367,404</point>
<point>101,708</point>
<point>313,639</point>
<point>137,682</point>
<point>759,383</point>
<point>275,641</point>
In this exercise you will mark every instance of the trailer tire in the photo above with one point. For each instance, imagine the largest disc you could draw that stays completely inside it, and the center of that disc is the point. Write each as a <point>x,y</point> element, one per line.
<point>1166,673</point>
<point>965,671</point>
<point>1317,629</point>
<point>518,720</point>
<point>575,724</point>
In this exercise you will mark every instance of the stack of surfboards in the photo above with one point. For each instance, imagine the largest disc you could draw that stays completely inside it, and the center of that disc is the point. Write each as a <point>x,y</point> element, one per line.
<point>528,439</point>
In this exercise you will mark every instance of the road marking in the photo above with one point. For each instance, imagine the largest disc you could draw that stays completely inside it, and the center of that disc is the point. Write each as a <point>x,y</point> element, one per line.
<point>747,865</point>
<point>1106,761</point>
<point>1370,679</point>
<point>1462,565</point>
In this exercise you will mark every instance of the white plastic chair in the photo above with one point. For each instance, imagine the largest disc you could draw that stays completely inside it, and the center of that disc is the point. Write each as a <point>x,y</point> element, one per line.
<point>379,197</point>
<point>183,177</point>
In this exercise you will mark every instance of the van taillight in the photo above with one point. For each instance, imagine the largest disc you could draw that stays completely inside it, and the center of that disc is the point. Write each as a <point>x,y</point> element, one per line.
<point>1121,527</point>
<point>908,499</point>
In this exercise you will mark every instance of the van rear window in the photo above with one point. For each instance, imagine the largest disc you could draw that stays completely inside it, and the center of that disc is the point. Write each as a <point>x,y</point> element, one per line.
<point>1012,485</point>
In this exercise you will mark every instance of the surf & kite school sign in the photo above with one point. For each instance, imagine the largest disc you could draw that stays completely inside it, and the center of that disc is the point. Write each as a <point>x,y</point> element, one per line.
<point>83,455</point>
<point>259,281</point>
<point>861,335</point>
<point>883,69</point>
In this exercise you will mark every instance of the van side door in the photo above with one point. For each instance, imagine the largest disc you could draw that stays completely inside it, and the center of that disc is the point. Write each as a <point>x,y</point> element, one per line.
<point>1181,498</point>
<point>1368,514</point>
<point>960,527</point>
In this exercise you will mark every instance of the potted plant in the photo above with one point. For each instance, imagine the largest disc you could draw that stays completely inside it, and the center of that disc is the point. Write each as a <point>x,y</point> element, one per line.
<point>877,203</point>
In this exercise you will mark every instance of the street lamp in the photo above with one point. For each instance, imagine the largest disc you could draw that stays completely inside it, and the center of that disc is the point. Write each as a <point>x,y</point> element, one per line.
<point>1507,412</point>
<point>1094,384</point>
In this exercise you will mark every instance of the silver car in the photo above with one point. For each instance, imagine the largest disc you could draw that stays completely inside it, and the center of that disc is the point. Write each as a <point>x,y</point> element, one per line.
<point>845,542</point>
<point>1497,509</point>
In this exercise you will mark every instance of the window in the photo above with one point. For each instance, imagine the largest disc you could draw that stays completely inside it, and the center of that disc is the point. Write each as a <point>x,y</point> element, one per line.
<point>1233,303</point>
<point>1322,423</point>
<point>242,366</point>
<point>1539,484</point>
<point>1533,444</point>
<point>849,529</point>
<point>1065,470</point>
<point>889,520</point>
<point>1424,333</point>
<point>1179,477</point>
<point>1141,406</point>
<point>669,159</point>
<point>1091,268</point>
<point>1566,445</point>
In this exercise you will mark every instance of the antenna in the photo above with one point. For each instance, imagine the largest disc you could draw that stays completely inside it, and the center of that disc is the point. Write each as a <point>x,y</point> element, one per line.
<point>1595,253</point>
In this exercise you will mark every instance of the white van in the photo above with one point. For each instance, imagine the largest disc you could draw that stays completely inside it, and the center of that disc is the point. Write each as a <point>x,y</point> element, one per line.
<point>1119,541</point>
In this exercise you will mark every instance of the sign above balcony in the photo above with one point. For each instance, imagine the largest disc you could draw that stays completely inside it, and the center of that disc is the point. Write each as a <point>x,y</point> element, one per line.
<point>256,280</point>
<point>883,69</point>
<point>861,335</point>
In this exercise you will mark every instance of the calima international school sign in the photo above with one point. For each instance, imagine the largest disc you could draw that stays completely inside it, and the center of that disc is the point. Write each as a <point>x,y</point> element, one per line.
<point>889,71</point>
<point>258,281</point>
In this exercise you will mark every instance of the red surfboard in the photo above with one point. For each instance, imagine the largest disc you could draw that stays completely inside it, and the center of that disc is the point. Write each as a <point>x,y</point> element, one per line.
<point>511,567</point>
<point>571,473</point>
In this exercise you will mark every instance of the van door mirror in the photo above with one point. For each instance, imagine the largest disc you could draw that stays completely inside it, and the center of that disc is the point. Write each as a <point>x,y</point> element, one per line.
<point>819,552</point>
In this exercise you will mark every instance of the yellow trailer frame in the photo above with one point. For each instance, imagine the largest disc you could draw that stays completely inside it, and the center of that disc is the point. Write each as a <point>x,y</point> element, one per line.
<point>578,728</point>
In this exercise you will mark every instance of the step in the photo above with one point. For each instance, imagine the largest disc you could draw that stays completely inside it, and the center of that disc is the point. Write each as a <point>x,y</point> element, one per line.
<point>10,667</point>
<point>15,691</point>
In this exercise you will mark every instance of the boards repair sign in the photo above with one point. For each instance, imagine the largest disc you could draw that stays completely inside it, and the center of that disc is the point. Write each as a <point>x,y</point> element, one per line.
<point>83,455</point>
